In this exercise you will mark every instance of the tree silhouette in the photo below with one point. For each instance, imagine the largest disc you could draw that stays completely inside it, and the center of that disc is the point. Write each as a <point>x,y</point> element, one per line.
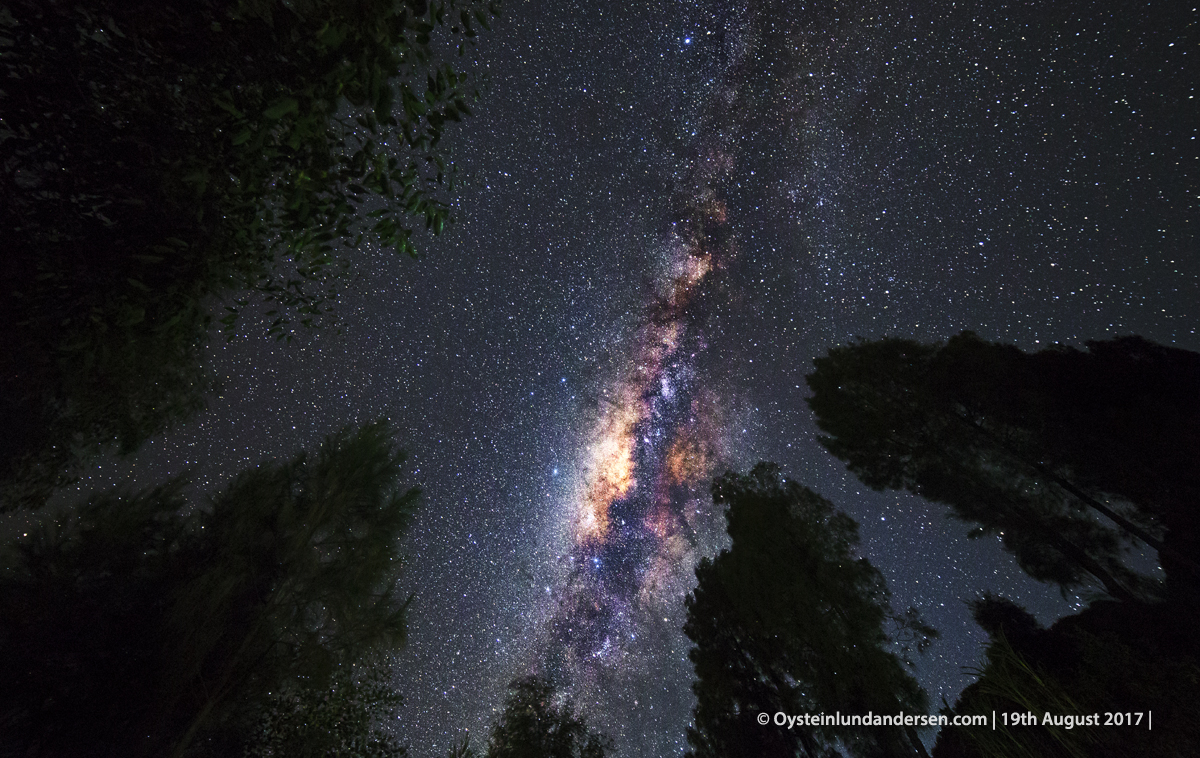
<point>1066,455</point>
<point>143,625</point>
<point>536,723</point>
<point>157,153</point>
<point>343,719</point>
<point>787,619</point>
<point>1113,658</point>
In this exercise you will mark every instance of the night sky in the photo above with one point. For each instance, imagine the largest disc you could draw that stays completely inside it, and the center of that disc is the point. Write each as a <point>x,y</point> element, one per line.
<point>667,212</point>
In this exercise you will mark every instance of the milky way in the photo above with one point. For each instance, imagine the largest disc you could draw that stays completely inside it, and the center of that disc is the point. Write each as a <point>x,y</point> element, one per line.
<point>641,516</point>
<point>640,507</point>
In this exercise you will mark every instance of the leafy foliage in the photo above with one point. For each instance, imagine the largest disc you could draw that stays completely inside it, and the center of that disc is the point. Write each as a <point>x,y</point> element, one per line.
<point>787,619</point>
<point>1125,657</point>
<point>143,624</point>
<point>1056,452</point>
<point>157,153</point>
<point>342,720</point>
<point>535,723</point>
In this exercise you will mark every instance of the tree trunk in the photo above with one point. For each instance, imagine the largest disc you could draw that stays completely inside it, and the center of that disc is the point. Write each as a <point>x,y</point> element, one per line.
<point>1081,557</point>
<point>1124,523</point>
<point>918,746</point>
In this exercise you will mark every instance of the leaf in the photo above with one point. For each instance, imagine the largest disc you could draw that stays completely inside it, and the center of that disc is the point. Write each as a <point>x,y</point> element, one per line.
<point>332,36</point>
<point>134,316</point>
<point>414,107</point>
<point>282,107</point>
<point>225,103</point>
<point>242,137</point>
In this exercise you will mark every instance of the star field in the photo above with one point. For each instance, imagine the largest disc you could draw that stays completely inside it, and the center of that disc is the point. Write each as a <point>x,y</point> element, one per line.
<point>1028,173</point>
